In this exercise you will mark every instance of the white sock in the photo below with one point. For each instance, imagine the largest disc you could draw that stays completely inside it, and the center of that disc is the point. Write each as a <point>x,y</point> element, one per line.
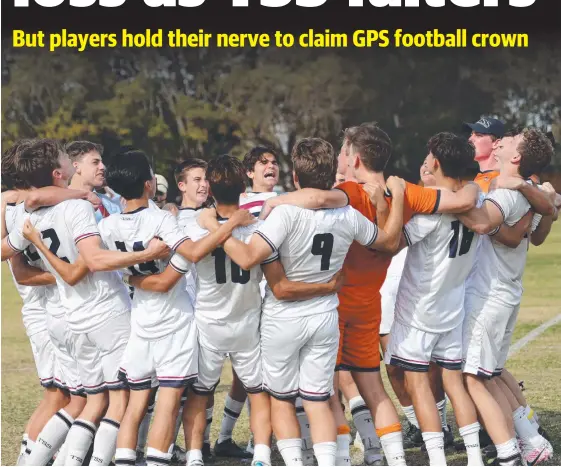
<point>79,439</point>
<point>105,442</point>
<point>195,457</point>
<point>232,410</point>
<point>304,423</point>
<point>326,453</point>
<point>144,428</point>
<point>531,415</point>
<point>51,438</point>
<point>124,456</point>
<point>155,457</point>
<point>508,452</point>
<point>29,448</point>
<point>362,418</point>
<point>392,443</point>
<point>470,434</point>
<point>524,429</point>
<point>441,406</point>
<point>435,447</point>
<point>409,412</point>
<point>291,451</point>
<point>262,453</point>
<point>342,450</point>
<point>178,420</point>
<point>209,412</point>
<point>23,447</point>
<point>61,456</point>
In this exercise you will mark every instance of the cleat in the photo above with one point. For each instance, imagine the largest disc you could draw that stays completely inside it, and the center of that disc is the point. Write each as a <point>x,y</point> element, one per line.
<point>230,449</point>
<point>178,456</point>
<point>489,454</point>
<point>534,455</point>
<point>542,432</point>
<point>514,460</point>
<point>412,436</point>
<point>196,462</point>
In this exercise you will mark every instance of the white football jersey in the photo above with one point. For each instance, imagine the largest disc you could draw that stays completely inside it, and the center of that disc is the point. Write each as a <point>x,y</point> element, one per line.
<point>185,217</point>
<point>393,276</point>
<point>439,258</point>
<point>227,295</point>
<point>497,274</point>
<point>99,296</point>
<point>312,246</point>
<point>253,202</point>
<point>155,314</point>
<point>34,298</point>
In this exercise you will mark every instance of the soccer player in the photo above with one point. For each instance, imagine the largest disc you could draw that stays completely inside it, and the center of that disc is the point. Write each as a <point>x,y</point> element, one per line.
<point>493,294</point>
<point>97,303</point>
<point>429,310</point>
<point>312,245</point>
<point>365,271</point>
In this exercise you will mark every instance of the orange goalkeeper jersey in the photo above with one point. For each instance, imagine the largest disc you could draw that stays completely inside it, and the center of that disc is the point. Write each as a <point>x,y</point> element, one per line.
<point>484,179</point>
<point>365,270</point>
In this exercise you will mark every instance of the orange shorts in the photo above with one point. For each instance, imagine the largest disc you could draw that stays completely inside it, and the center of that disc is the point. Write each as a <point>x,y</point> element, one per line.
<point>359,345</point>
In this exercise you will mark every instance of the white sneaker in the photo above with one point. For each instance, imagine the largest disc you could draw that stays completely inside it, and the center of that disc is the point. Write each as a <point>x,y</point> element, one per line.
<point>535,454</point>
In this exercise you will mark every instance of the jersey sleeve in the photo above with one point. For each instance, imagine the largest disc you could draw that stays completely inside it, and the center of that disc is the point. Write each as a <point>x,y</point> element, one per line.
<point>419,227</point>
<point>422,200</point>
<point>180,264</point>
<point>15,239</point>
<point>276,227</point>
<point>170,232</point>
<point>536,219</point>
<point>507,203</point>
<point>80,218</point>
<point>353,192</point>
<point>365,232</point>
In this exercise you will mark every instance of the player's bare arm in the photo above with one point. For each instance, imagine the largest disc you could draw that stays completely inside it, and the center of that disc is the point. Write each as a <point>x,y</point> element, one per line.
<point>195,251</point>
<point>460,201</point>
<point>482,220</point>
<point>512,236</point>
<point>70,273</point>
<point>540,200</point>
<point>284,289</point>
<point>307,198</point>
<point>388,238</point>
<point>29,275</point>
<point>9,196</point>
<point>100,259</point>
<point>161,283</point>
<point>52,195</point>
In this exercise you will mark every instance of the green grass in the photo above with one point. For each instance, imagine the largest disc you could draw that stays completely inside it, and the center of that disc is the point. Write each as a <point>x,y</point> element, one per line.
<point>538,364</point>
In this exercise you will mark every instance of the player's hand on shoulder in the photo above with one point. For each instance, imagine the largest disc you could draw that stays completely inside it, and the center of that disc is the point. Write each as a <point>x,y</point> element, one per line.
<point>266,210</point>
<point>30,232</point>
<point>507,182</point>
<point>375,192</point>
<point>337,281</point>
<point>157,249</point>
<point>548,189</point>
<point>93,199</point>
<point>207,218</point>
<point>396,185</point>
<point>243,217</point>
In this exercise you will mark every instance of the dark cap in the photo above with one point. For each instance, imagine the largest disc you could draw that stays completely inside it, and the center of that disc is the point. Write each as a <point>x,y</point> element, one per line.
<point>487,126</point>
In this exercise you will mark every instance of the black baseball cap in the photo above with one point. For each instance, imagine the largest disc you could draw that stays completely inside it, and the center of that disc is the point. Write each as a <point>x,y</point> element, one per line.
<point>487,126</point>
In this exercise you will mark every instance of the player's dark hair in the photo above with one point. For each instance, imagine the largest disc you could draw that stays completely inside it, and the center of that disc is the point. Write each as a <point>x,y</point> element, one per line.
<point>180,172</point>
<point>36,163</point>
<point>372,144</point>
<point>255,155</point>
<point>536,152</point>
<point>10,176</point>
<point>314,163</point>
<point>453,153</point>
<point>226,178</point>
<point>128,172</point>
<point>77,149</point>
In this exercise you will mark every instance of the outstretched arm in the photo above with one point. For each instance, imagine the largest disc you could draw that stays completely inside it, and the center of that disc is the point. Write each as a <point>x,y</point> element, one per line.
<point>29,275</point>
<point>512,236</point>
<point>284,289</point>
<point>482,220</point>
<point>161,283</point>
<point>52,195</point>
<point>307,198</point>
<point>460,201</point>
<point>540,200</point>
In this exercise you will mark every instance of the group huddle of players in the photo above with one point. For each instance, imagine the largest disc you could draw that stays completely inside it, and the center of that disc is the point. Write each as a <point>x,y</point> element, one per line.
<point>132,310</point>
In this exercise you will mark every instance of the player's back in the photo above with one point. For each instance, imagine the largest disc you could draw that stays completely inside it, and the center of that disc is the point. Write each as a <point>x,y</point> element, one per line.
<point>155,314</point>
<point>313,250</point>
<point>440,256</point>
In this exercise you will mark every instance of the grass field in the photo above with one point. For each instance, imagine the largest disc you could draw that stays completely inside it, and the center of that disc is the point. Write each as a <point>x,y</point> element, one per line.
<point>538,364</point>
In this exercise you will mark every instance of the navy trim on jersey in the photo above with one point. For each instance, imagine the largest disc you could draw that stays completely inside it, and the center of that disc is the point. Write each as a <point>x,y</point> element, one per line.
<point>86,235</point>
<point>176,246</point>
<point>498,206</point>
<point>176,268</point>
<point>141,208</point>
<point>264,237</point>
<point>271,260</point>
<point>190,209</point>
<point>374,236</point>
<point>12,246</point>
<point>11,204</point>
<point>407,239</point>
<point>437,204</point>
<point>348,199</point>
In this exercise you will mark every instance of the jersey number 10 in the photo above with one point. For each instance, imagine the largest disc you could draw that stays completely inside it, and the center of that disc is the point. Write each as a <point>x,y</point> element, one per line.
<point>467,238</point>
<point>239,275</point>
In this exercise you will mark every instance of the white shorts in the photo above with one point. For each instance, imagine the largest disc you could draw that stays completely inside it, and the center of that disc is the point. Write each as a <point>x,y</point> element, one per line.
<point>44,356</point>
<point>173,359</point>
<point>388,312</point>
<point>67,375</point>
<point>488,328</point>
<point>246,364</point>
<point>413,350</point>
<point>99,354</point>
<point>299,355</point>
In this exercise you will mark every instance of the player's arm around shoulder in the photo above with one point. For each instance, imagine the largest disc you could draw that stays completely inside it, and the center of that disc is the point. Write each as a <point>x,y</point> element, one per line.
<point>461,201</point>
<point>25,274</point>
<point>52,195</point>
<point>512,236</point>
<point>163,282</point>
<point>494,210</point>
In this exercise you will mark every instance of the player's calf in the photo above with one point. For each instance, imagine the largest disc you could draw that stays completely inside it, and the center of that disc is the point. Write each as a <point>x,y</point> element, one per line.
<point>127,438</point>
<point>260,422</point>
<point>194,424</point>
